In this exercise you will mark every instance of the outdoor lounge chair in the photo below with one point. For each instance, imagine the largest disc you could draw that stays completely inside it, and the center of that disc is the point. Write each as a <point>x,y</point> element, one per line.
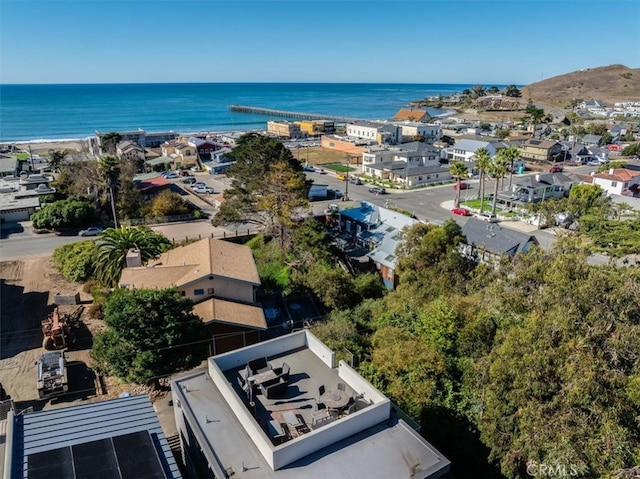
<point>259,365</point>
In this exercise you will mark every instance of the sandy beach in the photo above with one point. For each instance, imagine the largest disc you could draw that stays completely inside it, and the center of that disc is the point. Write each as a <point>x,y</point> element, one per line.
<point>43,146</point>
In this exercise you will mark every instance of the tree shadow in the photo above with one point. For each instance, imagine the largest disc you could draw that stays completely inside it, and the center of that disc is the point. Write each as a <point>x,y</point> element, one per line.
<point>458,440</point>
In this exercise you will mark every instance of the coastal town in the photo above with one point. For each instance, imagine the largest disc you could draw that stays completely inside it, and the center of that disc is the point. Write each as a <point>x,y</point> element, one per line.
<point>241,303</point>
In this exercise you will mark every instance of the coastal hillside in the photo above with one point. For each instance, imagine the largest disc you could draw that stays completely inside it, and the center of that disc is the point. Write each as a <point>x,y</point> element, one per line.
<point>607,84</point>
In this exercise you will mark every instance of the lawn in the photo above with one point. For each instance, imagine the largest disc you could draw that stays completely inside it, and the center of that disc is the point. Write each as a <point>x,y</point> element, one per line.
<point>22,156</point>
<point>340,168</point>
<point>475,204</point>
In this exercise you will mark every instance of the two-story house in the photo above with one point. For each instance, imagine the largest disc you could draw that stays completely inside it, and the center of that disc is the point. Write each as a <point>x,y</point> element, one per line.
<point>379,133</point>
<point>182,154</point>
<point>412,114</point>
<point>619,181</point>
<point>131,152</point>
<point>316,128</point>
<point>379,231</point>
<point>538,187</point>
<point>410,130</point>
<point>541,150</point>
<point>204,147</point>
<point>285,129</point>
<point>220,277</point>
<point>465,150</point>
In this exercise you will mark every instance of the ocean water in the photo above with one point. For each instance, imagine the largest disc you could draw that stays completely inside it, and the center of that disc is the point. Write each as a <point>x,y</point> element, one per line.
<point>30,112</point>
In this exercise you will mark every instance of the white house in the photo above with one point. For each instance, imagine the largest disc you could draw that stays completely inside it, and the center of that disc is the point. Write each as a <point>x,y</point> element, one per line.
<point>375,132</point>
<point>619,181</point>
<point>465,150</point>
<point>410,129</point>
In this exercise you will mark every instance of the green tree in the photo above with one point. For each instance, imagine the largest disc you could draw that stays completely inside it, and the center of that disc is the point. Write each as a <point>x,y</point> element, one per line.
<point>369,286</point>
<point>478,91</point>
<point>510,155</point>
<point>69,213</point>
<point>493,90</point>
<point>168,203</point>
<point>267,188</point>
<point>150,333</point>
<point>502,133</point>
<point>498,168</point>
<point>482,164</point>
<point>458,170</point>
<point>76,261</point>
<point>631,150</point>
<point>115,243</point>
<point>512,91</point>
<point>108,142</point>
<point>332,285</point>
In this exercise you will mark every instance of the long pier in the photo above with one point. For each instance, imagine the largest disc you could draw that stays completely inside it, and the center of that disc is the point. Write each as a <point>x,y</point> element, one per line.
<point>291,115</point>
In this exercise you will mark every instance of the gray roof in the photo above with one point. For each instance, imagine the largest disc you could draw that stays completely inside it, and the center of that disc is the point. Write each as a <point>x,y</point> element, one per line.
<point>544,179</point>
<point>471,145</point>
<point>44,431</point>
<point>8,164</point>
<point>591,139</point>
<point>495,239</point>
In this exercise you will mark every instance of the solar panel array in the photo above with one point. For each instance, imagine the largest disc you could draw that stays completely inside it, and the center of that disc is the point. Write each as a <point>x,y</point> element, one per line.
<point>130,456</point>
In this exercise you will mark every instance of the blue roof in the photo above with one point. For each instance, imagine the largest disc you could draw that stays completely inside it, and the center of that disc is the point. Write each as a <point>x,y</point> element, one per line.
<point>58,428</point>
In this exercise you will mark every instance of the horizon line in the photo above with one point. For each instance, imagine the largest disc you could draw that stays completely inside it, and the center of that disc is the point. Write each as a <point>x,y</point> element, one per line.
<point>259,83</point>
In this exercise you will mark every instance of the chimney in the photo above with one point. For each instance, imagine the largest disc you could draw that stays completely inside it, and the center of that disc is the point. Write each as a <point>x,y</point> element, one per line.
<point>134,259</point>
<point>538,177</point>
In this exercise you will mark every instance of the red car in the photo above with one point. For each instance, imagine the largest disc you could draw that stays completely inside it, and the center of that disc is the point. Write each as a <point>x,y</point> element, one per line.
<point>555,169</point>
<point>461,211</point>
<point>463,186</point>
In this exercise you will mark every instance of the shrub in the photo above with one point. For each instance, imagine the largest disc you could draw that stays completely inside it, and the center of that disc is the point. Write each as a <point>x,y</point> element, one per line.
<point>67,213</point>
<point>76,261</point>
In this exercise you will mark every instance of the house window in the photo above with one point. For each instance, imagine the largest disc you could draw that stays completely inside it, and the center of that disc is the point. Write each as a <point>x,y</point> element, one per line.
<point>198,292</point>
<point>210,290</point>
<point>183,293</point>
<point>614,184</point>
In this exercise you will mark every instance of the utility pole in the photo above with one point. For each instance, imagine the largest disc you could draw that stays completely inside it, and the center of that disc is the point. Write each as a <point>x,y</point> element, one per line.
<point>346,188</point>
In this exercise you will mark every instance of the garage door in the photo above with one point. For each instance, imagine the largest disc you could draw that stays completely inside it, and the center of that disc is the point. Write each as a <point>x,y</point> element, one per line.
<point>14,215</point>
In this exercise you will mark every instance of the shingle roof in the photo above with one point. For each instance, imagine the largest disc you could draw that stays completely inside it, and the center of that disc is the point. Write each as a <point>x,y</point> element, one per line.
<point>542,144</point>
<point>188,263</point>
<point>411,114</point>
<point>495,239</point>
<point>619,174</point>
<point>222,311</point>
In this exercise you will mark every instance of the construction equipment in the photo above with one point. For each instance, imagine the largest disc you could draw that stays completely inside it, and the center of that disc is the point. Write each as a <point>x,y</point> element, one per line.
<point>57,329</point>
<point>52,375</point>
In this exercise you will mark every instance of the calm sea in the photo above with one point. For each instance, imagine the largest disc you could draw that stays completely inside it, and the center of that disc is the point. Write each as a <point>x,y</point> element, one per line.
<point>30,112</point>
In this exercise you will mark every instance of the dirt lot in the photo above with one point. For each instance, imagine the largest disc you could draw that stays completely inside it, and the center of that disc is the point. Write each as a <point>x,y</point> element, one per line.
<point>27,297</point>
<point>319,156</point>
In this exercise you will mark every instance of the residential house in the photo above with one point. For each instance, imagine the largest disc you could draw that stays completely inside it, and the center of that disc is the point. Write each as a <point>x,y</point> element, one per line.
<point>378,231</point>
<point>205,148</point>
<point>14,207</point>
<point>316,128</point>
<point>182,154</point>
<point>151,185</point>
<point>220,277</point>
<point>8,166</point>
<point>130,151</point>
<point>118,438</point>
<point>588,104</point>
<point>409,130</point>
<point>541,150</point>
<point>412,114</point>
<point>219,162</point>
<point>489,243</point>
<point>465,150</point>
<point>538,187</point>
<point>325,419</point>
<point>285,129</point>
<point>619,181</point>
<point>141,138</point>
<point>591,140</point>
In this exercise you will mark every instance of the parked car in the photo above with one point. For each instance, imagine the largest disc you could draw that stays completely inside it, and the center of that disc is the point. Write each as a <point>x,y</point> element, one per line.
<point>184,173</point>
<point>341,177</point>
<point>198,184</point>
<point>463,186</point>
<point>377,191</point>
<point>91,231</point>
<point>203,190</point>
<point>309,168</point>
<point>555,169</point>
<point>170,175</point>
<point>355,180</point>
<point>321,171</point>
<point>461,211</point>
<point>195,168</point>
<point>593,163</point>
<point>488,217</point>
<point>189,180</point>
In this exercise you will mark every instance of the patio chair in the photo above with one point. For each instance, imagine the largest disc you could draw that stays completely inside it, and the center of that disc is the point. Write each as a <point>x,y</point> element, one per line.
<point>285,371</point>
<point>259,365</point>
<point>342,387</point>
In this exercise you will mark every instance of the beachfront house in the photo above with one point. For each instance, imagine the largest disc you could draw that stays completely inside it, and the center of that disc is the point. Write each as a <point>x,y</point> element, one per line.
<point>285,129</point>
<point>412,114</point>
<point>8,166</point>
<point>315,128</point>
<point>220,277</point>
<point>410,130</point>
<point>204,147</point>
<point>374,132</point>
<point>182,154</point>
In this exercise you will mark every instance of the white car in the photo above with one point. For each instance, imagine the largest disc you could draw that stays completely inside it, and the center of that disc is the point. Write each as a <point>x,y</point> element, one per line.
<point>198,184</point>
<point>203,190</point>
<point>91,231</point>
<point>171,174</point>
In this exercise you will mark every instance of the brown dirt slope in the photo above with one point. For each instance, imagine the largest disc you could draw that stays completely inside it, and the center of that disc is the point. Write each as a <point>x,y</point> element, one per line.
<point>607,84</point>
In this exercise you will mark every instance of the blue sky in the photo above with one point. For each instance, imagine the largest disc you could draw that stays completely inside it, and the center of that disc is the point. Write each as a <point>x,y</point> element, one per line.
<point>419,41</point>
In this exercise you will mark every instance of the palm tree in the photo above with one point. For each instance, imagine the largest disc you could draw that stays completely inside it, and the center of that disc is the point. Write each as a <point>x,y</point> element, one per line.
<point>510,154</point>
<point>458,170</point>
<point>110,171</point>
<point>115,243</point>
<point>482,162</point>
<point>498,169</point>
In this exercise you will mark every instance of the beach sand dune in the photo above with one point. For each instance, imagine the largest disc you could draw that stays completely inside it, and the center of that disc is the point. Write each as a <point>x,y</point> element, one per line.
<point>43,147</point>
